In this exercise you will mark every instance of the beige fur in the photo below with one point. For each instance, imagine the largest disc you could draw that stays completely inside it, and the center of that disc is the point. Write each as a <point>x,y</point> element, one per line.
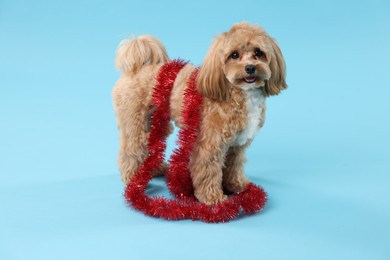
<point>223,80</point>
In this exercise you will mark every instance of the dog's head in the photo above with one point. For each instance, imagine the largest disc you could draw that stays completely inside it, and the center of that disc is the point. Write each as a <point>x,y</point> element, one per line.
<point>245,57</point>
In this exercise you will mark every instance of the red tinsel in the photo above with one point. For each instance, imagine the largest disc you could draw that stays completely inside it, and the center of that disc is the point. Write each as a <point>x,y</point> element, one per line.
<point>185,206</point>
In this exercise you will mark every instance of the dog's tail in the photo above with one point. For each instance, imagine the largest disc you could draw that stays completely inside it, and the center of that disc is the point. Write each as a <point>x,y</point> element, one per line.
<point>134,53</point>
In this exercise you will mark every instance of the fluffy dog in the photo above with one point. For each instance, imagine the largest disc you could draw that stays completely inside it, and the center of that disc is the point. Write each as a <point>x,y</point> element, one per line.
<point>243,67</point>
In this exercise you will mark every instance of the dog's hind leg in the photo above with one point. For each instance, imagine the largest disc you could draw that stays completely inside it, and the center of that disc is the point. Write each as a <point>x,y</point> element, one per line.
<point>133,110</point>
<point>138,60</point>
<point>133,145</point>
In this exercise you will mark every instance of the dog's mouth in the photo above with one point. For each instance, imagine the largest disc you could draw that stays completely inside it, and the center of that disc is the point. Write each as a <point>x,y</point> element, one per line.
<point>250,79</point>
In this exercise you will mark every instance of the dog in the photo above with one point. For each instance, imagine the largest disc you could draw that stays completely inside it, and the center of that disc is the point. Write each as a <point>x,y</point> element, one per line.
<point>242,68</point>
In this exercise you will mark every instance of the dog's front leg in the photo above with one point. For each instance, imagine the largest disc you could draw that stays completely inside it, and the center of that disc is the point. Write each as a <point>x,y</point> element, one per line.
<point>206,170</point>
<point>233,172</point>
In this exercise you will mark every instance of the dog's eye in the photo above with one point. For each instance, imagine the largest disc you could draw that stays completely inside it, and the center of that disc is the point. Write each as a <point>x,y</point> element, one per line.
<point>259,53</point>
<point>235,55</point>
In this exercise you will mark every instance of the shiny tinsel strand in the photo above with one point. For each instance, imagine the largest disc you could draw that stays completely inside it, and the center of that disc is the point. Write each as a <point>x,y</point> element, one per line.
<point>185,206</point>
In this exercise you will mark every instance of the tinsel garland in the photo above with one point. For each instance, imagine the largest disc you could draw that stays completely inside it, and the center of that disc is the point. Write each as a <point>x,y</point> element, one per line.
<point>185,206</point>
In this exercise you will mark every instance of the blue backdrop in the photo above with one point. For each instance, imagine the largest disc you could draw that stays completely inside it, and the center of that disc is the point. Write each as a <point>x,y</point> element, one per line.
<point>323,155</point>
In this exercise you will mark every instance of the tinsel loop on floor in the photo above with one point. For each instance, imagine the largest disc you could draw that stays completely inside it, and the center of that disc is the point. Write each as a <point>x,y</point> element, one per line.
<point>184,205</point>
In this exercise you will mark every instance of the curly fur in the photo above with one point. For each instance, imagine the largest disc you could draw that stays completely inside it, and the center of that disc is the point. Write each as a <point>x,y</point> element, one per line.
<point>226,84</point>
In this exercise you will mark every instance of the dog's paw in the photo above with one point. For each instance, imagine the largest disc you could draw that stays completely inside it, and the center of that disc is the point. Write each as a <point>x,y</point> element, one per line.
<point>126,178</point>
<point>212,199</point>
<point>236,186</point>
<point>217,200</point>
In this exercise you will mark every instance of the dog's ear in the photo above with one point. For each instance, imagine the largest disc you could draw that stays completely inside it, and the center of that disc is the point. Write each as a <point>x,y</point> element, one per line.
<point>211,80</point>
<point>277,82</point>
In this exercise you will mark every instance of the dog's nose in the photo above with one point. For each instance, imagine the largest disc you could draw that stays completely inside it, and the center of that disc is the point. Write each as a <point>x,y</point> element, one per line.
<point>250,69</point>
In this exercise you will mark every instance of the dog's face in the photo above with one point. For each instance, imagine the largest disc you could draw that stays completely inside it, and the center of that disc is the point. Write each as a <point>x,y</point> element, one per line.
<point>245,57</point>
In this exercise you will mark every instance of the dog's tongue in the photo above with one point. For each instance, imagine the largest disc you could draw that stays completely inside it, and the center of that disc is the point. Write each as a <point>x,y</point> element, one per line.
<point>250,79</point>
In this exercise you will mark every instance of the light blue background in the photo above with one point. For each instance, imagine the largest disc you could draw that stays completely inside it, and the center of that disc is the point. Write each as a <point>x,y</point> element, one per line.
<point>323,155</point>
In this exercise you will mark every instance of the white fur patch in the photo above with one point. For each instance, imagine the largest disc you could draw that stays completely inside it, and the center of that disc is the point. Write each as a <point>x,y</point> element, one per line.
<point>255,104</point>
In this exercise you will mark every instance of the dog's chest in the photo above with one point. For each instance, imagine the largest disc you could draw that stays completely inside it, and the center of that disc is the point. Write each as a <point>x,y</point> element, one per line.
<point>255,105</point>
